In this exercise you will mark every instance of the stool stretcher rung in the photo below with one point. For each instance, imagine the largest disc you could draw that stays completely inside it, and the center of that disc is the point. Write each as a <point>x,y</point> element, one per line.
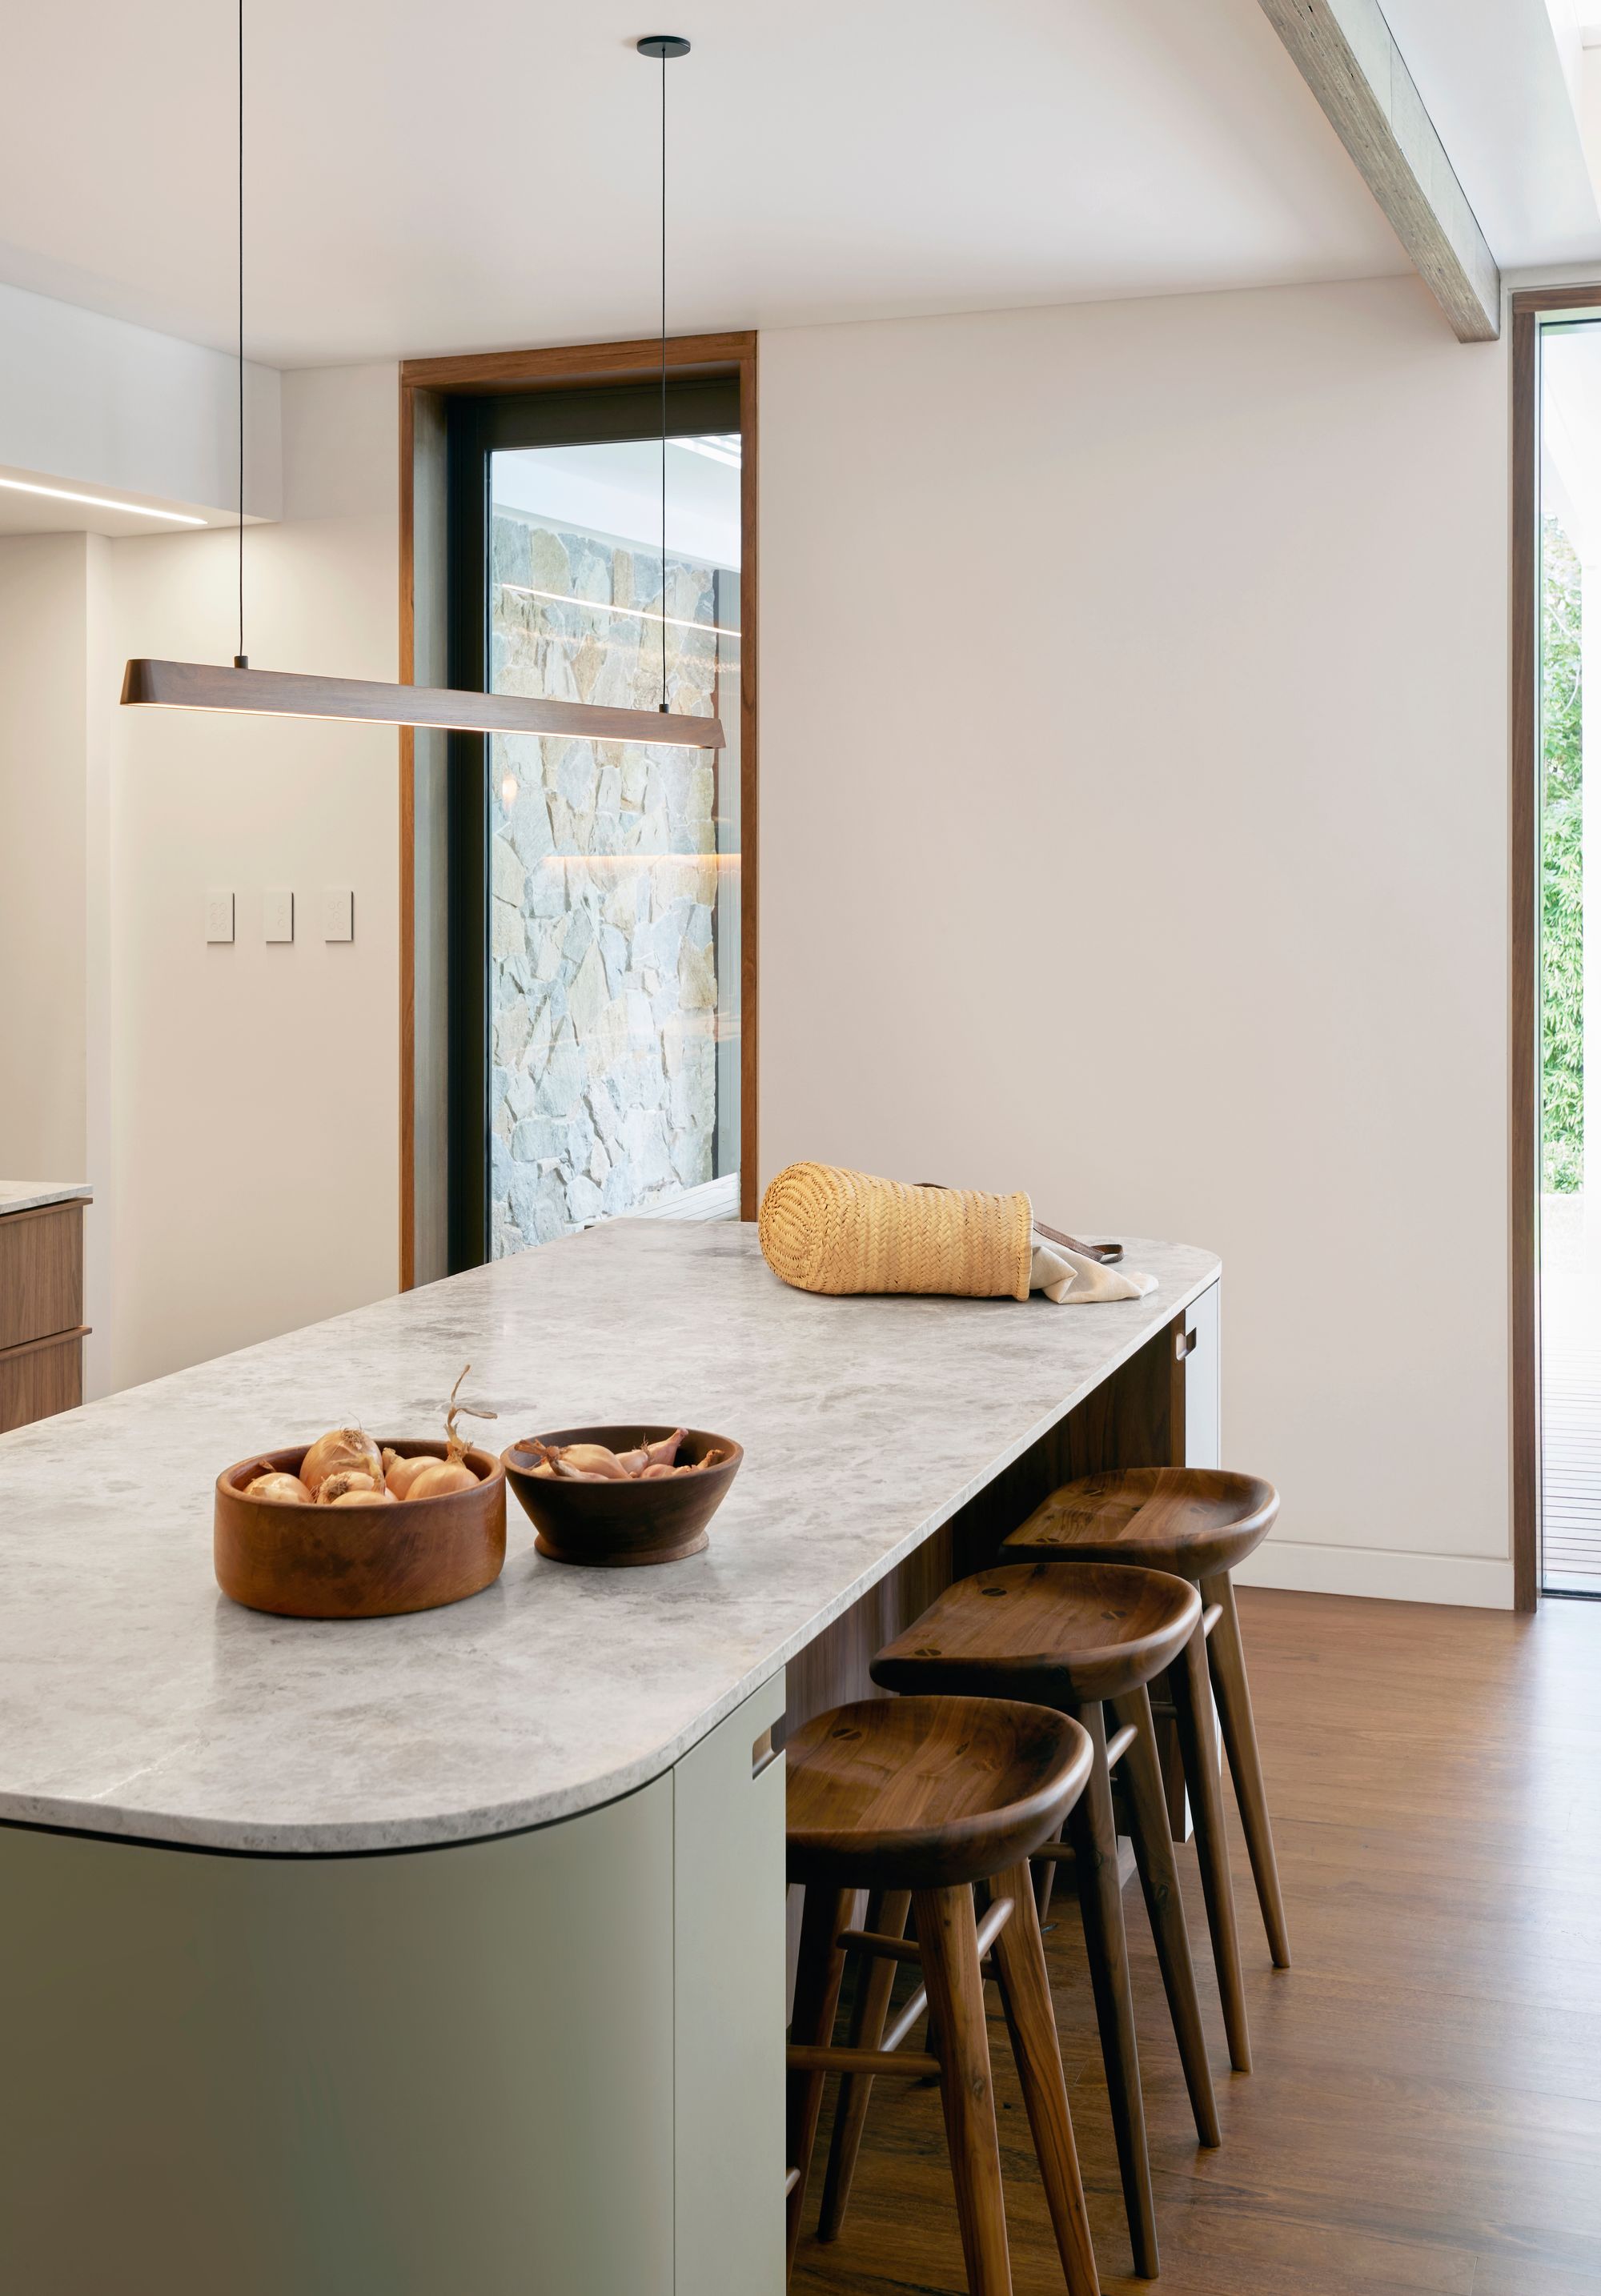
<point>886,1949</point>
<point>913,2064</point>
<point>916,2009</point>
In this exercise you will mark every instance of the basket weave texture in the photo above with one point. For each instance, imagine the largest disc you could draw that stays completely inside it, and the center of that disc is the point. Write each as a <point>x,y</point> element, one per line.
<point>822,1229</point>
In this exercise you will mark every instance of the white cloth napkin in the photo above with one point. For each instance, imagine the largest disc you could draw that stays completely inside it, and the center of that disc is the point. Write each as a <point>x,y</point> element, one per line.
<point>1070,1278</point>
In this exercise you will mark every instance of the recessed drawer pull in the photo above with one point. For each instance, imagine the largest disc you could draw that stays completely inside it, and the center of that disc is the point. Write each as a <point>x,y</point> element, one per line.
<point>1184,1344</point>
<point>764,1753</point>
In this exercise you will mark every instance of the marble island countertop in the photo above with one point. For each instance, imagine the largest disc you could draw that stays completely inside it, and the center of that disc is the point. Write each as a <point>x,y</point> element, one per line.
<point>33,1195</point>
<point>136,1700</point>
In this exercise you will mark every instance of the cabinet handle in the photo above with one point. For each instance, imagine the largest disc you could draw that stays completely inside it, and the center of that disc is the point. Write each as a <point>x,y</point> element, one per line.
<point>1184,1344</point>
<point>764,1753</point>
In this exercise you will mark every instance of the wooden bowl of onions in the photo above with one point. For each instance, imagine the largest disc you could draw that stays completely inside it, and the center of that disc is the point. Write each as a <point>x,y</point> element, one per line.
<point>353,1540</point>
<point>617,1495</point>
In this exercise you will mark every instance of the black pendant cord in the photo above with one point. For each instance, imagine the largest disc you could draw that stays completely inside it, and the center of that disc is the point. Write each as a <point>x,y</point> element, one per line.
<point>241,660</point>
<point>662,703</point>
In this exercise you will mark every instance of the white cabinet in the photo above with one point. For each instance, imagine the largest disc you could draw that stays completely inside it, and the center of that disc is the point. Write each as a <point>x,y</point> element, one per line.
<point>1202,1368</point>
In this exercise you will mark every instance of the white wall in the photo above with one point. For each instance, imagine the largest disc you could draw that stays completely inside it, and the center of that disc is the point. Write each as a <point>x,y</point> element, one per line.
<point>1134,831</point>
<point>256,1085</point>
<point>43,705</point>
<point>54,1114</point>
<point>97,403</point>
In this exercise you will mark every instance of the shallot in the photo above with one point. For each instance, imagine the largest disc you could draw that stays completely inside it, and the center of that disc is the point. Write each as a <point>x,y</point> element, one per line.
<point>593,1463</point>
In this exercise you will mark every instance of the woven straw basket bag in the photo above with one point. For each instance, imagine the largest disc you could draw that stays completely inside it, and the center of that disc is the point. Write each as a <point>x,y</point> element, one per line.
<point>825,1230</point>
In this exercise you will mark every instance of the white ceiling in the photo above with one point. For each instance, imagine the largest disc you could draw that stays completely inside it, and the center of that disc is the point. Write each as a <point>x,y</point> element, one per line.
<point>1491,75</point>
<point>423,177</point>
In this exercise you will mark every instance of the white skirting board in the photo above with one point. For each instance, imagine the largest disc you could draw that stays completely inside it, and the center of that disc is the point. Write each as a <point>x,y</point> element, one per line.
<point>1467,1581</point>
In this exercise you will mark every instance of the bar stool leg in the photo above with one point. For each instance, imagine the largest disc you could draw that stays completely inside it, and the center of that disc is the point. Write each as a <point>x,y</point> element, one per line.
<point>1159,1880</point>
<point>1244,1760</point>
<point>887,1912</point>
<point>1192,1702</point>
<point>1093,1833</point>
<point>821,1967</point>
<point>1025,1992</point>
<point>947,1937</point>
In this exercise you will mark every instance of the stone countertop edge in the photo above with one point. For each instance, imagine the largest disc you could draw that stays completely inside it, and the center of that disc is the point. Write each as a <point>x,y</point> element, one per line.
<point>33,1195</point>
<point>115,1812</point>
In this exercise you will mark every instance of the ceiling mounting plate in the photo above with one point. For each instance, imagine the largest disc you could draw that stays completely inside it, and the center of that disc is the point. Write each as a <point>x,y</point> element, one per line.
<point>662,45</point>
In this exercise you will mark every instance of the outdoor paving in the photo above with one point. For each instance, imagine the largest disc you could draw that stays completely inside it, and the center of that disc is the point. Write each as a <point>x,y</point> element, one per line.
<point>1570,1379</point>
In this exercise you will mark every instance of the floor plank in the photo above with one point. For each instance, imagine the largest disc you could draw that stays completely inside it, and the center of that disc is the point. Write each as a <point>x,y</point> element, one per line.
<point>1424,2118</point>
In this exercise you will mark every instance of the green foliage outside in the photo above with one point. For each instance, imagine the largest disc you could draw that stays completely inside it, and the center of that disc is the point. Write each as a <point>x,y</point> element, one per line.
<point>1562,877</point>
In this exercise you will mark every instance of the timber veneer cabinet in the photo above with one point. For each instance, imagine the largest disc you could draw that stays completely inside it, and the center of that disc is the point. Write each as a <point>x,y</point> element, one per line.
<point>42,1330</point>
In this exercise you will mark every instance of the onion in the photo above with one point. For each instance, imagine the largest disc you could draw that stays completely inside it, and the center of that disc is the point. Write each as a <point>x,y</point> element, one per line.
<point>341,1447</point>
<point>345,1480</point>
<point>440,1476</point>
<point>287,1489</point>
<point>663,1453</point>
<point>367,1497</point>
<point>404,1473</point>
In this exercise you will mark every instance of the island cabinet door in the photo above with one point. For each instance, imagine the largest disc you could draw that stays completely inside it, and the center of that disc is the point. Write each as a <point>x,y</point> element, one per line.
<point>1202,1369</point>
<point>728,2006</point>
<point>435,2073</point>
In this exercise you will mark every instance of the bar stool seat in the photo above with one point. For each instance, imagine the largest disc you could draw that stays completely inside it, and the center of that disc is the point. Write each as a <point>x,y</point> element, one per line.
<point>1201,1523</point>
<point>927,1793</point>
<point>1081,1636</point>
<point>1061,1634</point>
<point>922,1798</point>
<point>1193,1520</point>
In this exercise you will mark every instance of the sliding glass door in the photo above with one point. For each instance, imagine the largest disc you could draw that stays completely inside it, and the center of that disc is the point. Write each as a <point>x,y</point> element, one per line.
<point>594,885</point>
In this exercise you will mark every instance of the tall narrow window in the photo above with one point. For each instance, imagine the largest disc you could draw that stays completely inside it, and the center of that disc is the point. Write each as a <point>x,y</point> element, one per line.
<point>596,884</point>
<point>1569,577</point>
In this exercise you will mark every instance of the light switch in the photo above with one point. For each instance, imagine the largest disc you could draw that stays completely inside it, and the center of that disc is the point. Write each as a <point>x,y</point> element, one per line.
<point>339,913</point>
<point>277,915</point>
<point>219,915</point>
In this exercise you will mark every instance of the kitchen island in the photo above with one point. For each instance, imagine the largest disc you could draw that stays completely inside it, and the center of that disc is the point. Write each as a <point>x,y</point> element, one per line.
<point>447,1951</point>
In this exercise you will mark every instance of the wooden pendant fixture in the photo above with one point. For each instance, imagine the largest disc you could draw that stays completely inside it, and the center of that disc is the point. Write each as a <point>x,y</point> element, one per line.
<point>286,693</point>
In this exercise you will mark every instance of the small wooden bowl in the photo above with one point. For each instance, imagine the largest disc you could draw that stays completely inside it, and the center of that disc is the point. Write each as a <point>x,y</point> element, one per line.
<point>615,1524</point>
<point>358,1561</point>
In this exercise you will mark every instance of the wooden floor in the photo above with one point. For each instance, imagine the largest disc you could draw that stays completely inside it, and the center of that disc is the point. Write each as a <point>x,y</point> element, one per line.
<point>1426,2110</point>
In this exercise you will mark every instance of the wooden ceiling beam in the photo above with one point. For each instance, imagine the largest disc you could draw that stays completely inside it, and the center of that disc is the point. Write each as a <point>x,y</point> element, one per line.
<point>1346,55</point>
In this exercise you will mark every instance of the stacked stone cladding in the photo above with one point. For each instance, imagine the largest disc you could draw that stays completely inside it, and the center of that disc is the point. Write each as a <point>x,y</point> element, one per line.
<point>602,962</point>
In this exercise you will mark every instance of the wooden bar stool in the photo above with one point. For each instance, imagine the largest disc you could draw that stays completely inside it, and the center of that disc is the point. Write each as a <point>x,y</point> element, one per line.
<point>1200,1522</point>
<point>922,1798</point>
<point>1082,1638</point>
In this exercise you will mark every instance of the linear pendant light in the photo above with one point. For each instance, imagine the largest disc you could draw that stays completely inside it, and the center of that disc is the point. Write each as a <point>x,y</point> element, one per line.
<point>149,684</point>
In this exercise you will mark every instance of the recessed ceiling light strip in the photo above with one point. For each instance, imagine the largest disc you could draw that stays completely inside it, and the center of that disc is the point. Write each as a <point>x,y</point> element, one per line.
<point>99,501</point>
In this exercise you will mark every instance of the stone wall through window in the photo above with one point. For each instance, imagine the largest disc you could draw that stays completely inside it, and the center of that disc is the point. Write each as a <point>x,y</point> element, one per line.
<point>603,878</point>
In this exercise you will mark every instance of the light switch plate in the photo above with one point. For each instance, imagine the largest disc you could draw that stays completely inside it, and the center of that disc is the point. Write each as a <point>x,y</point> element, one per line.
<point>339,913</point>
<point>277,915</point>
<point>219,914</point>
